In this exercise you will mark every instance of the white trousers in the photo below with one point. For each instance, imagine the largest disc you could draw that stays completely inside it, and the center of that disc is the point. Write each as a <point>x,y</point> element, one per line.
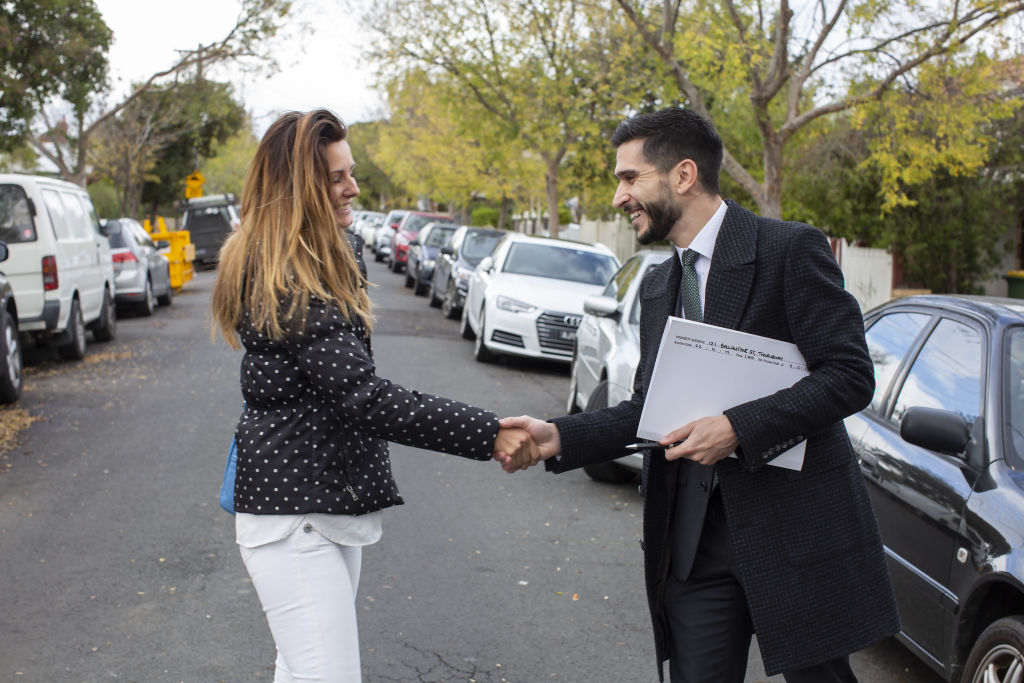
<point>307,586</point>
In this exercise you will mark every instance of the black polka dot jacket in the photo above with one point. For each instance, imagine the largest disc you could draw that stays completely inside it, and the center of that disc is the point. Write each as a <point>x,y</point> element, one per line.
<point>313,437</point>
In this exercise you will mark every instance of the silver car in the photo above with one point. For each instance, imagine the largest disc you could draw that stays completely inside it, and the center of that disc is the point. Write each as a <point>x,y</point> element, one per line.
<point>142,275</point>
<point>607,352</point>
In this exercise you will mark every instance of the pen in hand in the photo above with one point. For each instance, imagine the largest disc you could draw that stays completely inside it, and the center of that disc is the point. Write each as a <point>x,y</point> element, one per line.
<point>645,445</point>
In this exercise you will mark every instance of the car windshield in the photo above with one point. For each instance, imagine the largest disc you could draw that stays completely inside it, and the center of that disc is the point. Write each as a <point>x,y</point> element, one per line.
<point>438,236</point>
<point>477,245</point>
<point>560,263</point>
<point>1014,380</point>
<point>416,223</point>
<point>16,224</point>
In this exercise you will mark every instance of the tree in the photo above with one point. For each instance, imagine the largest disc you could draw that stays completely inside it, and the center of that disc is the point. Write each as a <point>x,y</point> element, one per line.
<point>378,187</point>
<point>539,67</point>
<point>228,163</point>
<point>787,69</point>
<point>48,48</point>
<point>149,147</point>
<point>65,143</point>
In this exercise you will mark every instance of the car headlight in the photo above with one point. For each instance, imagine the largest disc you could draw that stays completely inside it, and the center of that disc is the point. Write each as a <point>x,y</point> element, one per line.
<point>512,305</point>
<point>429,263</point>
<point>463,274</point>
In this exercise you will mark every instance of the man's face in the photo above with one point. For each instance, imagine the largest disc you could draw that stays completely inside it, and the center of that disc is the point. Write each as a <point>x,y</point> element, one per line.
<point>644,194</point>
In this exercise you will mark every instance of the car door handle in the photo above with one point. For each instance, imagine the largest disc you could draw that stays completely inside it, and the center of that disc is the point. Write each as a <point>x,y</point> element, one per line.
<point>868,465</point>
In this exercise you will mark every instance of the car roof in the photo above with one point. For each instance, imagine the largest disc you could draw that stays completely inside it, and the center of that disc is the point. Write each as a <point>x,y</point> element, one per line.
<point>597,247</point>
<point>993,307</point>
<point>208,200</point>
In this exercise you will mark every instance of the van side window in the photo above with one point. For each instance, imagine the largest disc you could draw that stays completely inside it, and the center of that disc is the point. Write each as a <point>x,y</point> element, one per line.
<point>90,215</point>
<point>16,224</point>
<point>77,221</point>
<point>55,207</point>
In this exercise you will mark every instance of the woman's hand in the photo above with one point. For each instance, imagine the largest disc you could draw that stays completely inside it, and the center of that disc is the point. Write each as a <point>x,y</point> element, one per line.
<point>515,449</point>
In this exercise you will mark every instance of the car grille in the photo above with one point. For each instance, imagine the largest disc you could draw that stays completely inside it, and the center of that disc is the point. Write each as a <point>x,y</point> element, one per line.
<point>509,338</point>
<point>556,332</point>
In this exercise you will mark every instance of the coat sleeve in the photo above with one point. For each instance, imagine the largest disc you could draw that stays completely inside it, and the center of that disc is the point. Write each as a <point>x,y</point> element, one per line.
<point>827,326</point>
<point>335,359</point>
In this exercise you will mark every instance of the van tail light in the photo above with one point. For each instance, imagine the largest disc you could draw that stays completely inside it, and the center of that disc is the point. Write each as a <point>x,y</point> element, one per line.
<point>123,257</point>
<point>50,281</point>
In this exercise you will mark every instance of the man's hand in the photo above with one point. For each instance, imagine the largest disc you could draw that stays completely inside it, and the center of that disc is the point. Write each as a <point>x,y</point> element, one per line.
<point>707,440</point>
<point>515,449</point>
<point>544,435</point>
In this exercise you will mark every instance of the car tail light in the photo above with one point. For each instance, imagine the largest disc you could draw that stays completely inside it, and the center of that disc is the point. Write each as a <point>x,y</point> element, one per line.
<point>123,257</point>
<point>50,281</point>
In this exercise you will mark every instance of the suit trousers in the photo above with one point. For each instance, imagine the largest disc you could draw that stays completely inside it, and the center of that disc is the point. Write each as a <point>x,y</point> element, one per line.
<point>709,623</point>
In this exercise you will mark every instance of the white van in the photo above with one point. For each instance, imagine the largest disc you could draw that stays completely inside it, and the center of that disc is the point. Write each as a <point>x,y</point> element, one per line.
<point>59,262</point>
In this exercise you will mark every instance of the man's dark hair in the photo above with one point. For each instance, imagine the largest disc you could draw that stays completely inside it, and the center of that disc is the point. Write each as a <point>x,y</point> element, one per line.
<point>673,134</point>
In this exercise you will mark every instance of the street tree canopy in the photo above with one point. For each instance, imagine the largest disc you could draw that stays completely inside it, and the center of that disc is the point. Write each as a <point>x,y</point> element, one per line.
<point>790,67</point>
<point>48,49</point>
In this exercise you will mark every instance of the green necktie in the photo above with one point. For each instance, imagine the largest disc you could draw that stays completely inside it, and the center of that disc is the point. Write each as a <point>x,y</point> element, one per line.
<point>689,288</point>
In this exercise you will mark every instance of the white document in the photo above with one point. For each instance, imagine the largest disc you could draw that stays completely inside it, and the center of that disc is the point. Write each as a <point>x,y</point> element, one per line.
<point>701,370</point>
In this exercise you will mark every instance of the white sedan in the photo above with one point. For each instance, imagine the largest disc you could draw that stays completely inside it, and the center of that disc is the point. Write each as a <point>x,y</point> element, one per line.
<point>608,351</point>
<point>526,298</point>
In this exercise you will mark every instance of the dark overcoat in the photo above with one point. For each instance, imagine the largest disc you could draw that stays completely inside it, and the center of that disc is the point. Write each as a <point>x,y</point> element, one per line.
<point>809,555</point>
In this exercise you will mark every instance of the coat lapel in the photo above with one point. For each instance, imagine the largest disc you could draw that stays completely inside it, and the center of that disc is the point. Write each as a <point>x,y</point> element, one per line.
<point>732,268</point>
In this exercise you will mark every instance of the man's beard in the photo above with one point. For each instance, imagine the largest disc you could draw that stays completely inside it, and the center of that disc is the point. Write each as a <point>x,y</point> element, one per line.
<point>662,215</point>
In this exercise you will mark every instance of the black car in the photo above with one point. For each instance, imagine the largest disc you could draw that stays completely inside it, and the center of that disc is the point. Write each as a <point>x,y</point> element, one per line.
<point>423,253</point>
<point>209,220</point>
<point>450,281</point>
<point>942,450</point>
<point>10,346</point>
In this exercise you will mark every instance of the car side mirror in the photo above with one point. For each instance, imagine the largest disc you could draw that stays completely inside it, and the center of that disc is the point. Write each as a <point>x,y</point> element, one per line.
<point>163,244</point>
<point>602,306</point>
<point>487,264</point>
<point>414,243</point>
<point>110,228</point>
<point>937,430</point>
<point>447,251</point>
<point>394,226</point>
<point>3,251</point>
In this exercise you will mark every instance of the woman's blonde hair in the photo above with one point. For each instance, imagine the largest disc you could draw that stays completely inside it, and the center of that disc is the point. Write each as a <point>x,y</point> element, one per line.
<point>288,246</point>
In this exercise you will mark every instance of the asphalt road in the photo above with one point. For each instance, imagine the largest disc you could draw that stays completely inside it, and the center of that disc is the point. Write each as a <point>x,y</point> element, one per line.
<point>117,564</point>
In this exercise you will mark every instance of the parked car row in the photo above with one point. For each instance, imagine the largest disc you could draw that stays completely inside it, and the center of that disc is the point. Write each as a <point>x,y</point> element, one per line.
<point>63,272</point>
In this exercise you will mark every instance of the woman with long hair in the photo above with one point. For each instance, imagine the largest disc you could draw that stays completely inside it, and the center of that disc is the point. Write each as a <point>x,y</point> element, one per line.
<point>313,469</point>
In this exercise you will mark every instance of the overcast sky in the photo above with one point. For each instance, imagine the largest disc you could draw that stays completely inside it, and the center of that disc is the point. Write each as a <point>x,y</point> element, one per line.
<point>318,69</point>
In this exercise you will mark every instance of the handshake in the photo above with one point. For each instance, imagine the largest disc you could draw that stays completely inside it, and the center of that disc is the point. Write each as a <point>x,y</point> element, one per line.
<point>524,441</point>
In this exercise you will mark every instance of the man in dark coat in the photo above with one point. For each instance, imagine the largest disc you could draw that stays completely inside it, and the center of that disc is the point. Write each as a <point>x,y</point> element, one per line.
<point>734,546</point>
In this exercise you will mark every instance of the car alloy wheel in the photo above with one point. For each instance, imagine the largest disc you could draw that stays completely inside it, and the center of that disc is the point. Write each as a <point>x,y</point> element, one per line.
<point>480,350</point>
<point>10,359</point>
<point>464,326</point>
<point>432,297</point>
<point>148,303</point>
<point>75,348</point>
<point>448,302</point>
<point>106,327</point>
<point>998,654</point>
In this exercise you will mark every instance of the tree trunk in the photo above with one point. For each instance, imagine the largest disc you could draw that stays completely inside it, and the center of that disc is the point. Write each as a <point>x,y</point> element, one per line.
<point>771,206</point>
<point>503,215</point>
<point>551,186</point>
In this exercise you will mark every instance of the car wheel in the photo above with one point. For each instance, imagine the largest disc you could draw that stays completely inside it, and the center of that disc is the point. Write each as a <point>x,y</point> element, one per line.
<point>448,302</point>
<point>464,328</point>
<point>10,358</point>
<point>409,279</point>
<point>395,266</point>
<point>165,299</point>
<point>418,288</point>
<point>106,327</point>
<point>606,472</point>
<point>998,654</point>
<point>480,351</point>
<point>377,258</point>
<point>435,302</point>
<point>574,407</point>
<point>148,303</point>
<point>75,348</point>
